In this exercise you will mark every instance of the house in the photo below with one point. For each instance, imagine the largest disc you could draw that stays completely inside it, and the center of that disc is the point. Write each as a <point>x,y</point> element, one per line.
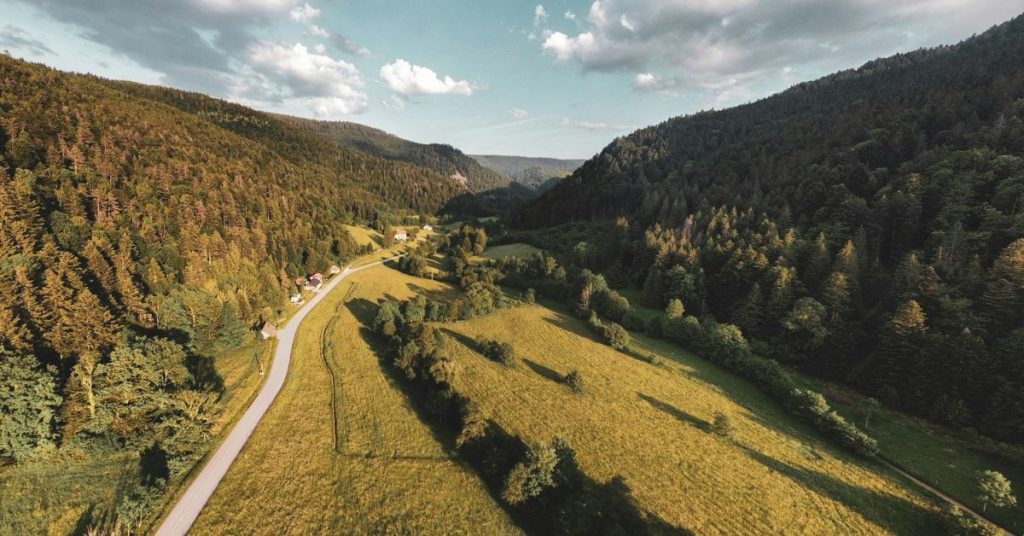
<point>401,235</point>
<point>300,282</point>
<point>316,282</point>
<point>334,269</point>
<point>269,330</point>
<point>428,227</point>
<point>297,298</point>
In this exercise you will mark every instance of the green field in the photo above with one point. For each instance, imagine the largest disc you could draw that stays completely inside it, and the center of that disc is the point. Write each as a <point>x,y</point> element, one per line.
<point>341,450</point>
<point>517,249</point>
<point>649,424</point>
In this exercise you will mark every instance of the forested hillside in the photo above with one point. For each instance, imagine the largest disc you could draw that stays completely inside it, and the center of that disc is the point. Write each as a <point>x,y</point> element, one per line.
<point>444,159</point>
<point>867,227</point>
<point>536,173</point>
<point>144,230</point>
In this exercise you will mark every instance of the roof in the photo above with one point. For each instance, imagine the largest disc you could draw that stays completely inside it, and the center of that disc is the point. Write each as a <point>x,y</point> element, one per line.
<point>269,329</point>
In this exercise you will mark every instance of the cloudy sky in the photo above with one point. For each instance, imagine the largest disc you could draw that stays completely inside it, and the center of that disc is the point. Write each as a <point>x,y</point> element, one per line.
<point>561,78</point>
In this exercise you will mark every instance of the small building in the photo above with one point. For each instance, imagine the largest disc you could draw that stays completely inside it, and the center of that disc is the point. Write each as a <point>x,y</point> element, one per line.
<point>401,235</point>
<point>269,330</point>
<point>315,282</point>
<point>297,298</point>
<point>428,227</point>
<point>300,282</point>
<point>334,269</point>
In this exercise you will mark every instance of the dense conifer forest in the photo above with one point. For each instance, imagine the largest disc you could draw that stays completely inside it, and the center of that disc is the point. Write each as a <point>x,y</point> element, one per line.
<point>867,227</point>
<point>144,230</point>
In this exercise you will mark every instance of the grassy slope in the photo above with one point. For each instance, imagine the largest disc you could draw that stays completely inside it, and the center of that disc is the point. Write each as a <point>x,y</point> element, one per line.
<point>45,497</point>
<point>648,424</point>
<point>934,455</point>
<point>389,472</point>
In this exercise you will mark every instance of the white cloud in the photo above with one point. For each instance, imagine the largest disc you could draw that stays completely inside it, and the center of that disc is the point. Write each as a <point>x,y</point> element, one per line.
<point>518,113</point>
<point>318,31</point>
<point>405,78</point>
<point>330,86</point>
<point>245,6</point>
<point>304,13</point>
<point>626,23</point>
<point>653,82</point>
<point>569,15</point>
<point>700,43</point>
<point>539,15</point>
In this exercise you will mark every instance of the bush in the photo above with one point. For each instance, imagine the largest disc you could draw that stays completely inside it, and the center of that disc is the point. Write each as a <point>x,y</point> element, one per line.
<point>722,425</point>
<point>633,322</point>
<point>653,359</point>
<point>574,380</point>
<point>616,336</point>
<point>531,296</point>
<point>501,352</point>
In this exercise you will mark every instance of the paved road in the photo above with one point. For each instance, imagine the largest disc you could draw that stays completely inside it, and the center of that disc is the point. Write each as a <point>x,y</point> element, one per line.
<point>199,491</point>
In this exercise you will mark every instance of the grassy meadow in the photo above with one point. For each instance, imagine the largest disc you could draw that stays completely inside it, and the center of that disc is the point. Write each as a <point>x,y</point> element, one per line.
<point>650,425</point>
<point>341,450</point>
<point>517,249</point>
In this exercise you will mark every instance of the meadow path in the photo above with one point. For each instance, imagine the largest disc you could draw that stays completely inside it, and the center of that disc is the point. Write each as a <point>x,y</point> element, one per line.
<point>187,509</point>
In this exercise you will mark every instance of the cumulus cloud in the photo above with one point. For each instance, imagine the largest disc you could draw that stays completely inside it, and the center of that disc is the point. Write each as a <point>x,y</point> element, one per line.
<point>407,79</point>
<point>518,113</point>
<point>569,15</point>
<point>16,38</point>
<point>702,42</point>
<point>347,45</point>
<point>330,86</point>
<point>212,46</point>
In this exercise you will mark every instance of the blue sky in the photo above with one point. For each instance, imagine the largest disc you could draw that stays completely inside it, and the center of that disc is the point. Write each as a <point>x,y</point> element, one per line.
<point>558,78</point>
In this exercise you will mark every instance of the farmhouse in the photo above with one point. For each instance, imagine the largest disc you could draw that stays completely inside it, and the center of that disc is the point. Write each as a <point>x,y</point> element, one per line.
<point>428,227</point>
<point>315,282</point>
<point>297,298</point>
<point>334,269</point>
<point>400,234</point>
<point>269,330</point>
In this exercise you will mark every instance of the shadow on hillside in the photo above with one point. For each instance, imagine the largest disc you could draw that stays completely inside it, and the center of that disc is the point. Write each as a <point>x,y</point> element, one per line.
<point>363,309</point>
<point>675,412</point>
<point>892,513</point>
<point>545,372</point>
<point>573,325</point>
<point>464,340</point>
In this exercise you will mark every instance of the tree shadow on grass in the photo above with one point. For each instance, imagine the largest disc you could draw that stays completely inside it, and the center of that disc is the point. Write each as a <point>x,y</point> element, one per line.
<point>545,372</point>
<point>363,309</point>
<point>675,412</point>
<point>204,373</point>
<point>892,513</point>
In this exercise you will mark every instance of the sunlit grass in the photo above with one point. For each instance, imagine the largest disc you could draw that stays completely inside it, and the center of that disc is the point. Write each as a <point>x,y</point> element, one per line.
<point>650,424</point>
<point>388,474</point>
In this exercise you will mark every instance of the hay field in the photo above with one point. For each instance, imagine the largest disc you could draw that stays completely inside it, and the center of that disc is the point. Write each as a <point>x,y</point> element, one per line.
<point>649,424</point>
<point>384,472</point>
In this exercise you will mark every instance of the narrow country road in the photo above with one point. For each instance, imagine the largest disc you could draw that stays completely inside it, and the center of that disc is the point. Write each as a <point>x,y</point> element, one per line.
<point>934,491</point>
<point>199,491</point>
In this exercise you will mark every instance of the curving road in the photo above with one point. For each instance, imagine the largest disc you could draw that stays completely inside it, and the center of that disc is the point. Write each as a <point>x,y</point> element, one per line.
<point>199,491</point>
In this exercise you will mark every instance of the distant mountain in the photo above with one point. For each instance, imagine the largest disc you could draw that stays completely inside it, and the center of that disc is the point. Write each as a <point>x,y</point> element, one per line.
<point>438,157</point>
<point>532,172</point>
<point>867,226</point>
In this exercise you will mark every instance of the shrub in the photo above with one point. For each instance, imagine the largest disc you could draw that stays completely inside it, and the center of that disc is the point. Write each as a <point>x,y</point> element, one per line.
<point>722,425</point>
<point>574,380</point>
<point>616,336</point>
<point>501,352</point>
<point>531,296</point>
<point>653,359</point>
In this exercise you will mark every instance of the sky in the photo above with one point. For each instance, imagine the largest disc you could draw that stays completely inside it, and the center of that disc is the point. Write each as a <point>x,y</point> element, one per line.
<point>560,78</point>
